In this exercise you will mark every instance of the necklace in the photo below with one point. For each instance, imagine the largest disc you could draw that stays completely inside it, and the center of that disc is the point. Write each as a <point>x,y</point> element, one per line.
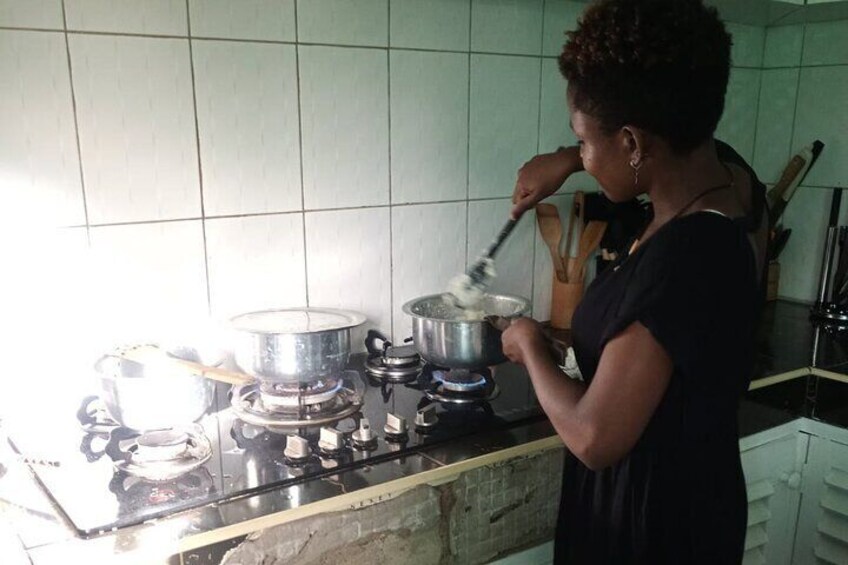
<point>688,205</point>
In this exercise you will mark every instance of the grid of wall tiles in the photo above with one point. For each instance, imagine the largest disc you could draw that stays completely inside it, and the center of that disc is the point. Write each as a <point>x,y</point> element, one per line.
<point>229,156</point>
<point>804,96</point>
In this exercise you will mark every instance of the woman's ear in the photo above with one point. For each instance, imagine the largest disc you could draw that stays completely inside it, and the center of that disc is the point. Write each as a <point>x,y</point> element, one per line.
<point>635,143</point>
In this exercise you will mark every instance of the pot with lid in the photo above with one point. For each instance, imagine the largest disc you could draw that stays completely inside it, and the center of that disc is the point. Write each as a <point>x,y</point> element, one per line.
<point>458,339</point>
<point>294,344</point>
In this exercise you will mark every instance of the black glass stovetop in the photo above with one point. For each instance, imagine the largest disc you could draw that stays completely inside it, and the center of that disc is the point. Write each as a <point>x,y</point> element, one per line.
<point>246,459</point>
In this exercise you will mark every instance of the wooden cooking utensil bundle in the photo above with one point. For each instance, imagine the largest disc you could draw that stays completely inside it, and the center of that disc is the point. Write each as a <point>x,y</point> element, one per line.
<point>568,268</point>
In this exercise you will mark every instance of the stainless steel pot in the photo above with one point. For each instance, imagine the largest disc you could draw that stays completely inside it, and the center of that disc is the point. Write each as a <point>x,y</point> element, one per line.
<point>446,341</point>
<point>295,344</point>
<point>145,397</point>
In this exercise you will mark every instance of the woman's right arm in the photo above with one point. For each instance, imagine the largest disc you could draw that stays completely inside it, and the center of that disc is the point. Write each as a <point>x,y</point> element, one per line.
<point>542,176</point>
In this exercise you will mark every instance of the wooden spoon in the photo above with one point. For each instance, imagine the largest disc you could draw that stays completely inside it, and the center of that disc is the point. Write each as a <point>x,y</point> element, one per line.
<point>576,219</point>
<point>152,355</point>
<point>547,216</point>
<point>590,239</point>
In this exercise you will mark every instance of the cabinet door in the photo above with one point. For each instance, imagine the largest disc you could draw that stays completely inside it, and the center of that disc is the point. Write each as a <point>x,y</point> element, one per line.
<point>823,519</point>
<point>773,480</point>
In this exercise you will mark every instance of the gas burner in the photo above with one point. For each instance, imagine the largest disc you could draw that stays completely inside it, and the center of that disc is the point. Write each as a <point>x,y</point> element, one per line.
<point>391,363</point>
<point>459,386</point>
<point>164,455</point>
<point>287,398</point>
<point>299,406</point>
<point>192,484</point>
<point>459,380</point>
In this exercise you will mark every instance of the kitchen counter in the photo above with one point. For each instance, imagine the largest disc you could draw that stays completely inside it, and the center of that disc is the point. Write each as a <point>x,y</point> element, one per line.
<point>784,388</point>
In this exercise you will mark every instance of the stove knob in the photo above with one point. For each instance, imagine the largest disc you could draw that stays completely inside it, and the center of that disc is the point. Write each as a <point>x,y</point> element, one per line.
<point>331,440</point>
<point>426,417</point>
<point>297,449</point>
<point>396,429</point>
<point>364,437</point>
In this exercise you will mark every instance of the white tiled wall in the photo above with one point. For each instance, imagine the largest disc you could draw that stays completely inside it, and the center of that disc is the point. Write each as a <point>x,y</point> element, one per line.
<point>43,14</point>
<point>350,258</point>
<point>255,262</point>
<point>39,164</point>
<point>226,157</point>
<point>343,22</point>
<point>428,248</point>
<point>504,126</point>
<point>429,126</point>
<point>157,17</point>
<point>136,127</point>
<point>803,98</point>
<point>430,24</point>
<point>247,117</point>
<point>345,115</point>
<point>507,26</point>
<point>738,124</point>
<point>271,20</point>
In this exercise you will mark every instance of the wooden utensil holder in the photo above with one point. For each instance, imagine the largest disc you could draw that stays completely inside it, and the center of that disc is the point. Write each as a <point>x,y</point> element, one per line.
<point>564,300</point>
<point>772,281</point>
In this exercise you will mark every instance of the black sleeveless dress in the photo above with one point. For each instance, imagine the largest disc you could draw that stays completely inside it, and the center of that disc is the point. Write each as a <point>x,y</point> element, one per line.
<point>679,496</point>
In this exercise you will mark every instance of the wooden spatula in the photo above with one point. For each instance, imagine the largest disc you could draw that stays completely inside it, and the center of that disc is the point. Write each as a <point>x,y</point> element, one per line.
<point>590,239</point>
<point>550,226</point>
<point>575,219</point>
<point>152,355</point>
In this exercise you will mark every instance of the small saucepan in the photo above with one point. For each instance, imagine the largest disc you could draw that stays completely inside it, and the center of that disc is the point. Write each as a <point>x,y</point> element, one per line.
<point>145,397</point>
<point>448,337</point>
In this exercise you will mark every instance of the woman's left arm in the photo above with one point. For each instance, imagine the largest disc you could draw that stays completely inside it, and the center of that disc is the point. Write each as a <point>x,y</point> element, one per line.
<point>600,423</point>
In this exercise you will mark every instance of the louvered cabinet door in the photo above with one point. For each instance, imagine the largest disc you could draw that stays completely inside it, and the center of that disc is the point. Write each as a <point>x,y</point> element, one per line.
<point>773,481</point>
<point>822,536</point>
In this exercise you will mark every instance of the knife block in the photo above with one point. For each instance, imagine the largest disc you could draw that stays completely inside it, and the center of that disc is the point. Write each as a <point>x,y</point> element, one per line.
<point>564,300</point>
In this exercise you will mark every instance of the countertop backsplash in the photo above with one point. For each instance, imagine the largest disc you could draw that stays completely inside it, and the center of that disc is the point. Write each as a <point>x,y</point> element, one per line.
<point>205,158</point>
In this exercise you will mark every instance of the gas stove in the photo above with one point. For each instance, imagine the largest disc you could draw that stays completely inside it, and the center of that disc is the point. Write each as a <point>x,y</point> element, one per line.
<point>270,436</point>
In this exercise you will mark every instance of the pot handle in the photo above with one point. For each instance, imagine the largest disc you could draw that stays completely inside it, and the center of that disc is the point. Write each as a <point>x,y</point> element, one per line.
<point>376,343</point>
<point>557,350</point>
<point>85,415</point>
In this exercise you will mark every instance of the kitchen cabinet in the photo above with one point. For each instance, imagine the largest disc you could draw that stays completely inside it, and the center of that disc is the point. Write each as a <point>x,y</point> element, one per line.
<point>822,534</point>
<point>773,461</point>
<point>797,479</point>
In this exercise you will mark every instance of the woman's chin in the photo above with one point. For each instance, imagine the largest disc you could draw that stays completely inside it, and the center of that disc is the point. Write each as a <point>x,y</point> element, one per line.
<point>617,196</point>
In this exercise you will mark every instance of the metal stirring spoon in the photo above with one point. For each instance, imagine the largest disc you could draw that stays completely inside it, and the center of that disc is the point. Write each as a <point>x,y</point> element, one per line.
<point>476,279</point>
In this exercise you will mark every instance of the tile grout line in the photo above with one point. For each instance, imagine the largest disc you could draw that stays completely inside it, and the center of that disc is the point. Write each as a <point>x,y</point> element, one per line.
<point>340,45</point>
<point>391,220</point>
<point>76,128</point>
<point>538,150</point>
<point>309,211</point>
<point>468,143</point>
<point>300,142</point>
<point>199,163</point>
<point>757,107</point>
<point>797,91</point>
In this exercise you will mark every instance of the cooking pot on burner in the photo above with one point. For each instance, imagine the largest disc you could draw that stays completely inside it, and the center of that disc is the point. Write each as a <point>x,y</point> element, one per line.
<point>295,344</point>
<point>147,397</point>
<point>445,338</point>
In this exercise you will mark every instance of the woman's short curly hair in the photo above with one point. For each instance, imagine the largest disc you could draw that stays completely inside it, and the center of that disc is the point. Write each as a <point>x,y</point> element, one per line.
<point>661,65</point>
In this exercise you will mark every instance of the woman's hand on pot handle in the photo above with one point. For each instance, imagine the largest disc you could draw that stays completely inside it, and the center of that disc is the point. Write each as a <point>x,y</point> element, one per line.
<point>542,176</point>
<point>524,338</point>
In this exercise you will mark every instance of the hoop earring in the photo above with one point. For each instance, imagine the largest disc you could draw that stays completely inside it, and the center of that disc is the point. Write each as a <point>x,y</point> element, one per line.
<point>636,166</point>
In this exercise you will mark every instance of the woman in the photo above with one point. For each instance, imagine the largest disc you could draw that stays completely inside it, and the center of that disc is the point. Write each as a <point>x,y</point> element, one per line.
<point>664,338</point>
